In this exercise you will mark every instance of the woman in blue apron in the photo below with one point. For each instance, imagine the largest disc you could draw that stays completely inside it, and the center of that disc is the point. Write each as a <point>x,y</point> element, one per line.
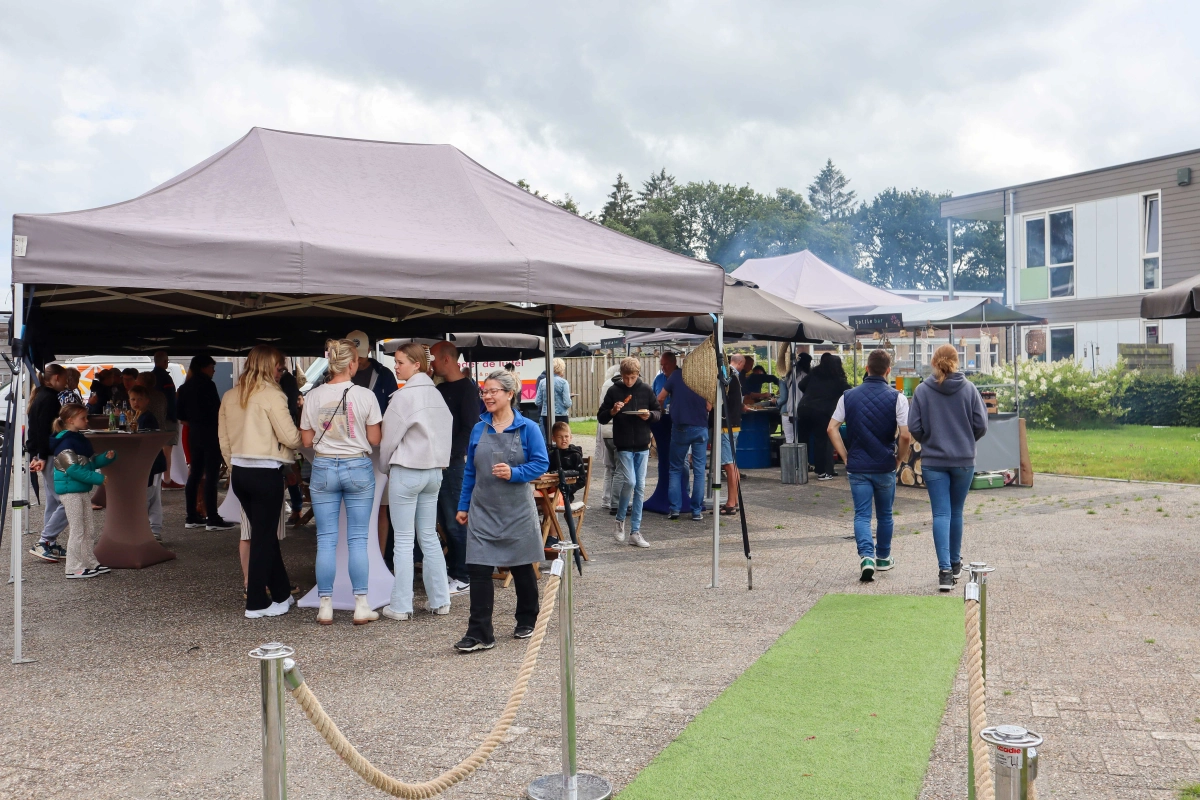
<point>506,453</point>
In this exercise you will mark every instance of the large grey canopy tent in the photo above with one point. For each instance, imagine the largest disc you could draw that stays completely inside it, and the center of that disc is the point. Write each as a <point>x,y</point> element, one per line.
<point>280,234</point>
<point>968,313</point>
<point>752,314</point>
<point>1179,300</point>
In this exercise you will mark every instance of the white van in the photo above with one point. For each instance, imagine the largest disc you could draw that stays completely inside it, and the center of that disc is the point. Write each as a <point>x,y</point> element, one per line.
<point>90,366</point>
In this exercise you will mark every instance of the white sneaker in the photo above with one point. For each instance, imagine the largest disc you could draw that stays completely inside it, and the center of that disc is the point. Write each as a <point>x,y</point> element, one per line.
<point>620,531</point>
<point>273,610</point>
<point>458,587</point>
<point>392,613</point>
<point>636,539</point>
<point>440,610</point>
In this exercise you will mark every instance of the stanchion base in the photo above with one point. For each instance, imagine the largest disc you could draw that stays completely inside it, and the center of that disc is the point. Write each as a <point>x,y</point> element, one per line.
<point>588,787</point>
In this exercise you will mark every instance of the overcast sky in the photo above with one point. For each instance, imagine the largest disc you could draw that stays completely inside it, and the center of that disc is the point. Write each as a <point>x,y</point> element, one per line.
<point>98,105</point>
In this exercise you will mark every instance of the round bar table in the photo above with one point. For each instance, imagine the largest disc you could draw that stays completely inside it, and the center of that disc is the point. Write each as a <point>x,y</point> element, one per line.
<point>126,541</point>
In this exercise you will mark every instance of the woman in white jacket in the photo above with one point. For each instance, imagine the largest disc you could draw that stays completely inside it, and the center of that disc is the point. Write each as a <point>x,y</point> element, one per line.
<point>417,429</point>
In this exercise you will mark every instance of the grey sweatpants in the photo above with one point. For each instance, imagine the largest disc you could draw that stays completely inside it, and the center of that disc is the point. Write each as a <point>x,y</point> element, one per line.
<point>55,515</point>
<point>81,537</point>
<point>154,507</point>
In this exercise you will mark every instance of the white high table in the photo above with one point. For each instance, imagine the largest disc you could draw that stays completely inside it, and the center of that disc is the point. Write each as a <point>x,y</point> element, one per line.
<point>380,579</point>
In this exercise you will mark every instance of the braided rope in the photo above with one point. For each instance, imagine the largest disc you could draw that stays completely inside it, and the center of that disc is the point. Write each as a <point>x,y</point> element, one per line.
<point>977,703</point>
<point>368,772</point>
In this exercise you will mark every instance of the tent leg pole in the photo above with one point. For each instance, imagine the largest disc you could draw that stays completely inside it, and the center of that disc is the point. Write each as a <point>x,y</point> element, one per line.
<point>16,543</point>
<point>716,456</point>
<point>549,384</point>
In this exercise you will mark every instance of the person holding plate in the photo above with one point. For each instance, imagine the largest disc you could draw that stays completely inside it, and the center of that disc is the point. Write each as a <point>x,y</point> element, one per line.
<point>631,405</point>
<point>505,454</point>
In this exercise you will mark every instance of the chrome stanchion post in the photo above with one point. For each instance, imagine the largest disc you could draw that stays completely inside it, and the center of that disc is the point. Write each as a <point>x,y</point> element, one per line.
<point>570,785</point>
<point>273,659</point>
<point>1014,760</point>
<point>976,589</point>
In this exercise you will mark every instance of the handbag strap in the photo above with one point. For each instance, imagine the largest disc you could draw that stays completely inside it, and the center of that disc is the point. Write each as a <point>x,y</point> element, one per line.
<point>341,404</point>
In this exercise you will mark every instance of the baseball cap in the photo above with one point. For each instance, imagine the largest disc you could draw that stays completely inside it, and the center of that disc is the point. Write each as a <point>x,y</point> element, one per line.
<point>361,342</point>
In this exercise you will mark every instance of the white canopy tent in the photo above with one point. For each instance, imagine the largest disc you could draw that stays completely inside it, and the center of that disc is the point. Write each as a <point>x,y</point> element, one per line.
<point>806,280</point>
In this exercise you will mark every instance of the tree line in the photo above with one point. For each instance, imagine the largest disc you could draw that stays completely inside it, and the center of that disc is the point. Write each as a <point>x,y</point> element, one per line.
<point>895,241</point>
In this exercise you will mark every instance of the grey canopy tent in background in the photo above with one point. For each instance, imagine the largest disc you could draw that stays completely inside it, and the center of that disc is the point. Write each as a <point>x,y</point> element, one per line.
<point>488,346</point>
<point>287,239</point>
<point>1177,301</point>
<point>750,313</point>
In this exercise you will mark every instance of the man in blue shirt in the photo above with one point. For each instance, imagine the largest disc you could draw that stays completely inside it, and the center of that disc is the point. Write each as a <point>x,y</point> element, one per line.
<point>689,433</point>
<point>667,364</point>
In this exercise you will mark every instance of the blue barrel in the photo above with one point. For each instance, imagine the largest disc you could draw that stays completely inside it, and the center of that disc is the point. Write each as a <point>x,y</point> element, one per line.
<point>754,442</point>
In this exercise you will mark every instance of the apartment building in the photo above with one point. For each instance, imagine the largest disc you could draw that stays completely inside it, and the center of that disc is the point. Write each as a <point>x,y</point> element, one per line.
<point>1083,249</point>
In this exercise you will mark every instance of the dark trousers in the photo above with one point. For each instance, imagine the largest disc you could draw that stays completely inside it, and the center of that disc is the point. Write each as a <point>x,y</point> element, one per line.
<point>810,426</point>
<point>260,491</point>
<point>483,596</point>
<point>456,534</point>
<point>296,497</point>
<point>206,464</point>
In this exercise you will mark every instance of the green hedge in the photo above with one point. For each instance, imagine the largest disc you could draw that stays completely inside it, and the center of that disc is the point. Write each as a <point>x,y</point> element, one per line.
<point>1157,399</point>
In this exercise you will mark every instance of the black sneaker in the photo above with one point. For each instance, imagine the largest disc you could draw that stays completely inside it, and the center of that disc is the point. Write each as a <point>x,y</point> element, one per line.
<point>956,569</point>
<point>523,632</point>
<point>945,580</point>
<point>58,550</point>
<point>218,524</point>
<point>612,512</point>
<point>469,644</point>
<point>194,522</point>
<point>86,573</point>
<point>674,515</point>
<point>826,476</point>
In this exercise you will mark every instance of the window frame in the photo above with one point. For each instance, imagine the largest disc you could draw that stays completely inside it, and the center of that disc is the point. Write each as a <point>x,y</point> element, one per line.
<point>1045,214</point>
<point>1143,230</point>
<point>1049,340</point>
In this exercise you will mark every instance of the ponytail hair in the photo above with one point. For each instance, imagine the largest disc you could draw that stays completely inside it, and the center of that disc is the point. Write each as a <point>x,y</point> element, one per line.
<point>944,362</point>
<point>66,413</point>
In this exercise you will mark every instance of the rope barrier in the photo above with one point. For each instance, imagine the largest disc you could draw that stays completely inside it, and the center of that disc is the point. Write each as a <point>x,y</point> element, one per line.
<point>977,703</point>
<point>417,791</point>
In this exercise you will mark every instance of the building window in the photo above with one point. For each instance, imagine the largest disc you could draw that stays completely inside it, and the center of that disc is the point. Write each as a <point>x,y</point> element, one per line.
<point>1151,242</point>
<point>1062,343</point>
<point>1050,243</point>
<point>1151,333</point>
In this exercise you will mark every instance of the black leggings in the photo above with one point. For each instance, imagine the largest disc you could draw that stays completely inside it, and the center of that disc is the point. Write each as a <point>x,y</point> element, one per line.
<point>483,594</point>
<point>260,491</point>
<point>205,463</point>
<point>813,427</point>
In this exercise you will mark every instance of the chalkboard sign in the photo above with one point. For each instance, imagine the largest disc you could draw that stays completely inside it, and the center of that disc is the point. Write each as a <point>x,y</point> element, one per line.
<point>869,323</point>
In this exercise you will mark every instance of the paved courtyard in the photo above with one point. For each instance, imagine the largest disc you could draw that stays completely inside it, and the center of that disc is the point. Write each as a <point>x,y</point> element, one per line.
<point>142,687</point>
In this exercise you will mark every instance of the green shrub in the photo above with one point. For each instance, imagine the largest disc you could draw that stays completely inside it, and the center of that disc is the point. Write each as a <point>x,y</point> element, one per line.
<point>1159,399</point>
<point>1063,394</point>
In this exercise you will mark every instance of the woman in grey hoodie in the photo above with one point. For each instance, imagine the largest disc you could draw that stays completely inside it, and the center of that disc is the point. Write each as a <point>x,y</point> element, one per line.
<point>947,417</point>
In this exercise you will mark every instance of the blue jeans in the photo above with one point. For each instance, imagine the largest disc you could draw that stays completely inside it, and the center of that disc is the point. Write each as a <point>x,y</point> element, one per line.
<point>948,487</point>
<point>880,487</point>
<point>683,439</point>
<point>456,535</point>
<point>633,485</point>
<point>412,503</point>
<point>55,515</point>
<point>333,481</point>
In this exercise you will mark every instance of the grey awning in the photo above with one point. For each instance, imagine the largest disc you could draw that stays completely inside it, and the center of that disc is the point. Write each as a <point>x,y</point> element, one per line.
<point>751,313</point>
<point>1177,300</point>
<point>973,312</point>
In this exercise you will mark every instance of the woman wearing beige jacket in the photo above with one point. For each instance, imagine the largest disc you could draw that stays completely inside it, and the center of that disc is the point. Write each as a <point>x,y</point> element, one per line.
<point>258,440</point>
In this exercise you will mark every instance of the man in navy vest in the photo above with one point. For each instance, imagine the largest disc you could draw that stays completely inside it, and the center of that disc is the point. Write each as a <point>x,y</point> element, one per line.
<point>876,417</point>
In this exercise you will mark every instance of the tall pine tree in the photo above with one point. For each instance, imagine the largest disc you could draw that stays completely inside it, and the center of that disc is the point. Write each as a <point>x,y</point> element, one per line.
<point>621,210</point>
<point>828,193</point>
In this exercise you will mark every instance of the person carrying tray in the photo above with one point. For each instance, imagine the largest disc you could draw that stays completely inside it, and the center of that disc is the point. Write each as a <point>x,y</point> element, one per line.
<point>631,406</point>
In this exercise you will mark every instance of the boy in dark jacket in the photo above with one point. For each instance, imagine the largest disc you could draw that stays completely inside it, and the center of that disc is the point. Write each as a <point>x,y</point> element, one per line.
<point>199,405</point>
<point>570,458</point>
<point>43,411</point>
<point>630,405</point>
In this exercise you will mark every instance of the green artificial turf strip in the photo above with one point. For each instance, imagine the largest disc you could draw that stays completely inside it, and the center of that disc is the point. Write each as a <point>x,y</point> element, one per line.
<point>846,704</point>
<point>1136,452</point>
<point>583,427</point>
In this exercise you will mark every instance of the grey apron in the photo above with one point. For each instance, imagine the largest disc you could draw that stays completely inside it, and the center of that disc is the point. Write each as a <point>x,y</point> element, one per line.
<point>502,526</point>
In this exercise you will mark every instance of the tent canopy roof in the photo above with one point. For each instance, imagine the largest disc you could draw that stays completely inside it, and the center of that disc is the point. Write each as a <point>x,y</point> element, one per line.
<point>1179,300</point>
<point>806,280</point>
<point>751,313</point>
<point>970,311</point>
<point>299,228</point>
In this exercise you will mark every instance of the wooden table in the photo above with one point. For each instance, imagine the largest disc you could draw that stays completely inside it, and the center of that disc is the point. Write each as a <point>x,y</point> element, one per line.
<point>126,541</point>
<point>547,499</point>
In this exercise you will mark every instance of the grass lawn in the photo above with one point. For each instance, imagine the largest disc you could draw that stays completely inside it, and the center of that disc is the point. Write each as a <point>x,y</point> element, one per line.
<point>583,427</point>
<point>1138,452</point>
<point>845,705</point>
